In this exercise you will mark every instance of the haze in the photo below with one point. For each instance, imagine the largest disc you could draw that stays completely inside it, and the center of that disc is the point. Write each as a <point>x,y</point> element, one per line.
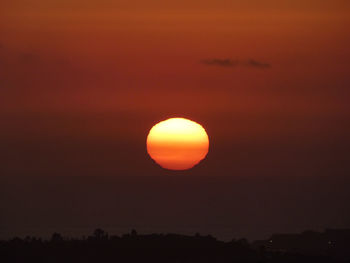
<point>82,83</point>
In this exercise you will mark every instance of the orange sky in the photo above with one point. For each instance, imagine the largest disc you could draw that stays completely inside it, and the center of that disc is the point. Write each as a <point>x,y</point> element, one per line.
<point>92,72</point>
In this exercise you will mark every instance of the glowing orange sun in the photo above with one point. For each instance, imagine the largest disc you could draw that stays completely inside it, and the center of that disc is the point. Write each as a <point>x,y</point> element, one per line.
<point>177,143</point>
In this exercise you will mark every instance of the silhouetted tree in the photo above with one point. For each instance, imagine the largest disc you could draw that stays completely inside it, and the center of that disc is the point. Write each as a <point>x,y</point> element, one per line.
<point>133,233</point>
<point>171,248</point>
<point>56,238</point>
<point>99,234</point>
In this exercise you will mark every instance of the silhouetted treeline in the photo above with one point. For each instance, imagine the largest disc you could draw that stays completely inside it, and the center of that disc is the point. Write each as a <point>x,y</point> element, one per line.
<point>163,248</point>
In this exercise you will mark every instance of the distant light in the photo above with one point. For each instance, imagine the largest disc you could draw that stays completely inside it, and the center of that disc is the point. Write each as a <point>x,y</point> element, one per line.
<point>270,241</point>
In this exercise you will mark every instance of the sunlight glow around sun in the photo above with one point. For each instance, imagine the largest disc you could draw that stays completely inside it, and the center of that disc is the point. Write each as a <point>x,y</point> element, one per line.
<point>177,143</point>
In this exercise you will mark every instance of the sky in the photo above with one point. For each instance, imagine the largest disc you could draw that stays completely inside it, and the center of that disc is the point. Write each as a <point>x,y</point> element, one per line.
<point>82,83</point>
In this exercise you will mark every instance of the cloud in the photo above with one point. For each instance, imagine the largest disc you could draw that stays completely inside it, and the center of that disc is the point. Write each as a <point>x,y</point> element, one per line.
<point>220,62</point>
<point>231,63</point>
<point>258,64</point>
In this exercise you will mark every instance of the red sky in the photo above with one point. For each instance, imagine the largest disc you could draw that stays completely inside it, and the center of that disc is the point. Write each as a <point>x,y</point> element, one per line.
<point>82,82</point>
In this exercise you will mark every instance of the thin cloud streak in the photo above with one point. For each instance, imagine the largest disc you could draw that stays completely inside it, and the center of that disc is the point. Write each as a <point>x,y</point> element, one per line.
<point>231,63</point>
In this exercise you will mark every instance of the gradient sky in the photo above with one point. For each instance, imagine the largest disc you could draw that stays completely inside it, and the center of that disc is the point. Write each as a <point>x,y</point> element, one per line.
<point>82,82</point>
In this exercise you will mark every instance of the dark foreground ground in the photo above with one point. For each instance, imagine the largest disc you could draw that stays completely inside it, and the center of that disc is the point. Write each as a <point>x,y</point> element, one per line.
<point>100,247</point>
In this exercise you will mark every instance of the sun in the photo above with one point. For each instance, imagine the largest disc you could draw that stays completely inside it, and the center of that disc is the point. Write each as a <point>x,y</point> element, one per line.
<point>177,143</point>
